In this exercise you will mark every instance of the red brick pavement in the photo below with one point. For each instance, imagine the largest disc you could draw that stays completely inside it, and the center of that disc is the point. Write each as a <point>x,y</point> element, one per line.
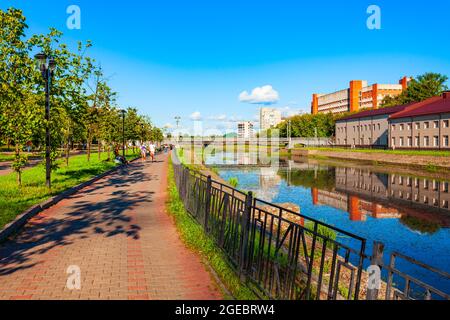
<point>118,233</point>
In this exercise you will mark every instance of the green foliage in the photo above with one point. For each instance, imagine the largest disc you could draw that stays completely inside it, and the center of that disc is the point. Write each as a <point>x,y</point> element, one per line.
<point>234,182</point>
<point>19,163</point>
<point>324,179</point>
<point>423,87</point>
<point>307,125</point>
<point>82,104</point>
<point>421,225</point>
<point>323,231</point>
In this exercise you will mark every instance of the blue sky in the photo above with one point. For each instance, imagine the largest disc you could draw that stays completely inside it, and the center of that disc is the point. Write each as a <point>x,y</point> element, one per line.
<point>171,58</point>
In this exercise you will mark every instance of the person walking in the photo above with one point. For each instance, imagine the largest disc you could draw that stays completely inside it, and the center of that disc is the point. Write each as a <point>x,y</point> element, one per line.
<point>152,148</point>
<point>143,152</point>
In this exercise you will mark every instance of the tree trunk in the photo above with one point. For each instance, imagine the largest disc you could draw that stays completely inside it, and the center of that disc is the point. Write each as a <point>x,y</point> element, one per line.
<point>67,152</point>
<point>99,150</point>
<point>89,146</point>
<point>19,173</point>
<point>19,178</point>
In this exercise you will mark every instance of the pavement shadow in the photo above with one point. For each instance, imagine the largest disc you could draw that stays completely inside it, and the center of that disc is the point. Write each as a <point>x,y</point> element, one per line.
<point>94,210</point>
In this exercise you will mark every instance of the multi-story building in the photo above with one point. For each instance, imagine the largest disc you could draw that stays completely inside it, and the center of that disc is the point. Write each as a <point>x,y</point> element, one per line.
<point>424,125</point>
<point>421,125</point>
<point>358,96</point>
<point>269,118</point>
<point>363,193</point>
<point>245,130</point>
<point>367,128</point>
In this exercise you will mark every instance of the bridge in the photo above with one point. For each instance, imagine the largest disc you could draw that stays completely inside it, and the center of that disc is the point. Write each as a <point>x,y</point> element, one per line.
<point>220,141</point>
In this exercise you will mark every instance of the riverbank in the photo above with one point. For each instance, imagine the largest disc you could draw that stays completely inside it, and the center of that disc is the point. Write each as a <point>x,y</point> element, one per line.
<point>426,160</point>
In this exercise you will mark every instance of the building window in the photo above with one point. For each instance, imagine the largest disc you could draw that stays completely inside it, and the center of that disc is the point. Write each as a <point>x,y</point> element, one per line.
<point>425,184</point>
<point>436,124</point>
<point>445,204</point>
<point>426,125</point>
<point>416,182</point>
<point>417,141</point>
<point>417,125</point>
<point>435,185</point>
<point>435,202</point>
<point>426,141</point>
<point>402,126</point>
<point>401,142</point>
<point>393,127</point>
<point>409,141</point>
<point>445,187</point>
<point>436,141</point>
<point>409,126</point>
<point>393,141</point>
<point>379,126</point>
<point>445,123</point>
<point>445,141</point>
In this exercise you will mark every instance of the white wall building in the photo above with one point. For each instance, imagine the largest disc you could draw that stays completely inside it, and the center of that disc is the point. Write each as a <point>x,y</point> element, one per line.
<point>269,118</point>
<point>245,130</point>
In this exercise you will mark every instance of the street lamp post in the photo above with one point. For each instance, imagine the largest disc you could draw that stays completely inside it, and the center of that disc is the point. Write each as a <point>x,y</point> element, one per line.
<point>123,132</point>
<point>47,66</point>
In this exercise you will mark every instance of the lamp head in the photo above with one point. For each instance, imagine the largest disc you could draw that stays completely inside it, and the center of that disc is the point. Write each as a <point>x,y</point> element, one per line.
<point>52,64</point>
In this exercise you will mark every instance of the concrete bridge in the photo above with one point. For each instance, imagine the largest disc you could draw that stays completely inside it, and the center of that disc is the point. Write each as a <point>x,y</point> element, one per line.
<point>219,141</point>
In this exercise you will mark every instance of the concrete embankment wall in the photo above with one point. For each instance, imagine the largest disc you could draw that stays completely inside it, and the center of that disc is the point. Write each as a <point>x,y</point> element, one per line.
<point>394,159</point>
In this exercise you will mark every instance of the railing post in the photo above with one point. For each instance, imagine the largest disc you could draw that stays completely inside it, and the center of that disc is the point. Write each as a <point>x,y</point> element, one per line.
<point>245,222</point>
<point>377,260</point>
<point>207,202</point>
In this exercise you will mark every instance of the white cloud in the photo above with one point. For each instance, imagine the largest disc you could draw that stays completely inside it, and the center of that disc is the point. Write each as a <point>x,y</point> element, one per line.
<point>168,126</point>
<point>260,95</point>
<point>196,116</point>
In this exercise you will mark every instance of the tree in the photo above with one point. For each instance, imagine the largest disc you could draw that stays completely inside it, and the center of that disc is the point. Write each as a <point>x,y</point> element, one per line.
<point>309,125</point>
<point>425,86</point>
<point>18,109</point>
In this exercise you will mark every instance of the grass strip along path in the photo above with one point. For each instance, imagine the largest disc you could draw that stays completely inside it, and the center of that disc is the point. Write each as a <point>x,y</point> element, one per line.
<point>195,238</point>
<point>14,199</point>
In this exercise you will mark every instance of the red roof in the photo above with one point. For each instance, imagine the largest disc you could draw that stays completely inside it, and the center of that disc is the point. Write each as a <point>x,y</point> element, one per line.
<point>435,105</point>
<point>375,112</point>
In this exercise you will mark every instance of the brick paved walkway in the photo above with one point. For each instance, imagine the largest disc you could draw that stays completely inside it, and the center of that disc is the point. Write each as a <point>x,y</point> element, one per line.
<point>118,233</point>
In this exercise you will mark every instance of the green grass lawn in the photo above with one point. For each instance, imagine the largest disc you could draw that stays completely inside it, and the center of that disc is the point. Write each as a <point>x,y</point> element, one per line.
<point>6,157</point>
<point>15,200</point>
<point>399,152</point>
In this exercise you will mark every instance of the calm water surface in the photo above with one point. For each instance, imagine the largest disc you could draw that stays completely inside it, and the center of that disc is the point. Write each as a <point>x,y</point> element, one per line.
<point>408,214</point>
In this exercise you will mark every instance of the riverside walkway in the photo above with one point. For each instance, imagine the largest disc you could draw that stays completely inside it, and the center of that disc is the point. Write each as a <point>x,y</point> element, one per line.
<point>119,237</point>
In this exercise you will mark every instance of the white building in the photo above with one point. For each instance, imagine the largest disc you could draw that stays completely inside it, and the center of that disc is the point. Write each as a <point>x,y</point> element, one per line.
<point>245,130</point>
<point>269,118</point>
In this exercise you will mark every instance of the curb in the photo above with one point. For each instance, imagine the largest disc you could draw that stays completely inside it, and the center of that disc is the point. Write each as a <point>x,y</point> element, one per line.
<point>14,226</point>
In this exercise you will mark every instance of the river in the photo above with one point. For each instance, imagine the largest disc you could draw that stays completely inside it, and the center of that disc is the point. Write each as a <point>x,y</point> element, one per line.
<point>408,213</point>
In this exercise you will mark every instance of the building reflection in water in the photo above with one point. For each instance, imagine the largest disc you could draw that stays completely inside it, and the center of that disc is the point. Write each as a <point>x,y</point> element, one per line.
<point>362,193</point>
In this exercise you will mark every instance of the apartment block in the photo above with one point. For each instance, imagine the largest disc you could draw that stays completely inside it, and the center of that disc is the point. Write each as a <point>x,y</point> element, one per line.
<point>245,130</point>
<point>358,96</point>
<point>269,118</point>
